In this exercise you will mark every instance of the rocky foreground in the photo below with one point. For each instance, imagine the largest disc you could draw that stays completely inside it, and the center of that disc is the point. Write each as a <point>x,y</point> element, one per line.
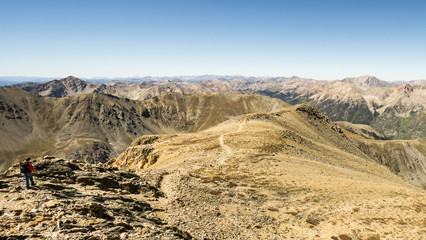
<point>76,200</point>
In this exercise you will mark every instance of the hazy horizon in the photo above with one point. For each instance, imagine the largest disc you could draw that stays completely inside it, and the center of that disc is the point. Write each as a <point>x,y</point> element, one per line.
<point>324,40</point>
<point>23,79</point>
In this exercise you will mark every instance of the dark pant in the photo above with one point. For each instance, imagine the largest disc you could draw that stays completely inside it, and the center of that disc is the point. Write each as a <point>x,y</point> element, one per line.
<point>28,178</point>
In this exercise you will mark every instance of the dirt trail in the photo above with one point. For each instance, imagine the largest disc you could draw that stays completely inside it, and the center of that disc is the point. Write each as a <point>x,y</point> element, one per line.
<point>225,147</point>
<point>228,151</point>
<point>167,188</point>
<point>169,184</point>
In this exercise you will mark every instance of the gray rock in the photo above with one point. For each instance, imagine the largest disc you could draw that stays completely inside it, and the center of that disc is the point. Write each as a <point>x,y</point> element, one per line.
<point>97,210</point>
<point>107,182</point>
<point>85,180</point>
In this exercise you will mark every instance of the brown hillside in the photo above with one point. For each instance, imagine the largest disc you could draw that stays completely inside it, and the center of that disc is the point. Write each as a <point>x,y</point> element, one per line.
<point>406,158</point>
<point>289,174</point>
<point>362,130</point>
<point>23,129</point>
<point>94,127</point>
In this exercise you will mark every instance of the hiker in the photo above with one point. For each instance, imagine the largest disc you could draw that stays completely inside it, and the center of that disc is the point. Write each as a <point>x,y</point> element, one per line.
<point>26,170</point>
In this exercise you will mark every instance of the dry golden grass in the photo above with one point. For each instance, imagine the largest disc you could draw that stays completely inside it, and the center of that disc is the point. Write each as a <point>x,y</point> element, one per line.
<point>283,176</point>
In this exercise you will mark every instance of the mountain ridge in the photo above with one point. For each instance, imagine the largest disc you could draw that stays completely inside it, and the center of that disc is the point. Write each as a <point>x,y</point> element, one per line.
<point>96,126</point>
<point>284,174</point>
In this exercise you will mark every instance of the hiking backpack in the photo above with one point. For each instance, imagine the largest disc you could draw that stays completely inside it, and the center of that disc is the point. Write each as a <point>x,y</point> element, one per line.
<point>24,167</point>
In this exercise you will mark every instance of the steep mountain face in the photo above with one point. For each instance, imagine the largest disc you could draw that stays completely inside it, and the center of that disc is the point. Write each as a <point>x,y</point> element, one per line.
<point>62,88</point>
<point>289,174</point>
<point>367,82</point>
<point>395,111</point>
<point>403,115</point>
<point>362,130</point>
<point>22,126</point>
<point>406,158</point>
<point>94,127</point>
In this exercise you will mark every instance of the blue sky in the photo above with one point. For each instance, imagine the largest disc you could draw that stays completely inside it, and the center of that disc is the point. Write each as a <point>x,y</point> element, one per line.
<point>316,39</point>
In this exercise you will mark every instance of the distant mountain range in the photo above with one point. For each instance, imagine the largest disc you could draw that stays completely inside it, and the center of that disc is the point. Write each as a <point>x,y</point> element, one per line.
<point>12,80</point>
<point>7,81</point>
<point>396,110</point>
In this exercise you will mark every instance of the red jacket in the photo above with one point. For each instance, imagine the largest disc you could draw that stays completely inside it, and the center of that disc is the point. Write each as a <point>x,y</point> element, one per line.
<point>30,167</point>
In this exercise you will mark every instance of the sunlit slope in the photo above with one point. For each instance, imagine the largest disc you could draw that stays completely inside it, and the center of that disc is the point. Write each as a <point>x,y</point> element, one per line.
<point>406,158</point>
<point>286,174</point>
<point>95,127</point>
<point>22,125</point>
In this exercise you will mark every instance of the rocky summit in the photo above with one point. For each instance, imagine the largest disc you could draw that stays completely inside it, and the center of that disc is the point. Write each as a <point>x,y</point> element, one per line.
<point>77,200</point>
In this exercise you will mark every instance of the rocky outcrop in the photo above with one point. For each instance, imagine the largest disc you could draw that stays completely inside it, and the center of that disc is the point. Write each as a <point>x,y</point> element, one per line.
<point>140,154</point>
<point>318,119</point>
<point>76,200</point>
